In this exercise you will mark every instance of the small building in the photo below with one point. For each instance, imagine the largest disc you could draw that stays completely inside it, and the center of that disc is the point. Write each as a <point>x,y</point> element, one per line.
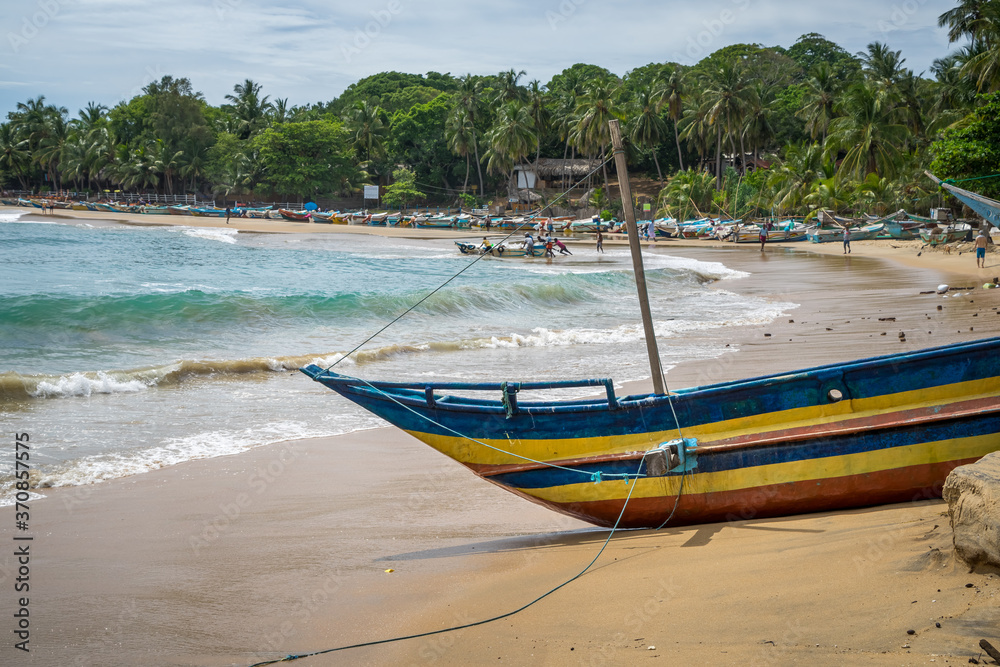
<point>553,172</point>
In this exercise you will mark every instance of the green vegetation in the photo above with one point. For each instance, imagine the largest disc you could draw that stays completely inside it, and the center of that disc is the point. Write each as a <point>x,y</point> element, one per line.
<point>748,130</point>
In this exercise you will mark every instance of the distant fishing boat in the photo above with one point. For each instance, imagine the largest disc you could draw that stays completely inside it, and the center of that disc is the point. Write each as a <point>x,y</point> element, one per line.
<point>818,234</point>
<point>294,216</point>
<point>208,212</point>
<point>879,430</point>
<point>939,235</point>
<point>507,249</point>
<point>588,226</point>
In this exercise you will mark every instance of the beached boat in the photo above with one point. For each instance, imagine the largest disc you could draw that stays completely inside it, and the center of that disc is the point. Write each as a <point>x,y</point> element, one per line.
<point>820,234</point>
<point>319,216</point>
<point>208,212</point>
<point>783,233</point>
<point>294,216</point>
<point>938,235</point>
<point>179,210</point>
<point>878,430</point>
<point>437,222</point>
<point>588,226</point>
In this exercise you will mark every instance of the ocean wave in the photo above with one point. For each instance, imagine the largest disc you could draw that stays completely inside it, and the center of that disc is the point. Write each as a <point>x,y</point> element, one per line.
<point>211,233</point>
<point>209,444</point>
<point>10,216</point>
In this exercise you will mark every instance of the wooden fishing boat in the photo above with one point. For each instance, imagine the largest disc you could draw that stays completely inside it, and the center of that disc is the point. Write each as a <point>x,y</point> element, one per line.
<point>319,216</point>
<point>437,222</point>
<point>939,235</point>
<point>501,249</point>
<point>208,212</point>
<point>878,430</point>
<point>782,233</point>
<point>588,226</point>
<point>819,234</point>
<point>179,210</point>
<point>294,216</point>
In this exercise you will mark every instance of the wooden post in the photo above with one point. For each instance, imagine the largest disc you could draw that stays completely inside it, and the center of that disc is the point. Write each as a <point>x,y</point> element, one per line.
<point>633,243</point>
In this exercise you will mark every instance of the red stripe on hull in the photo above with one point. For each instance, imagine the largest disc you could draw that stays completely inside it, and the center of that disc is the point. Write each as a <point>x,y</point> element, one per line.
<point>879,488</point>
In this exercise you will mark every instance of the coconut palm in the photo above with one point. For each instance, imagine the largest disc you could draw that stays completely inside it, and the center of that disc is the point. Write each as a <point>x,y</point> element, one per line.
<point>687,194</point>
<point>983,63</point>
<point>867,132</point>
<point>368,132</point>
<point>960,20</point>
<point>461,137</point>
<point>793,176</point>
<point>249,108</point>
<point>726,96</point>
<point>645,127</point>
<point>594,111</point>
<point>469,98</point>
<point>674,92</point>
<point>14,155</point>
<point>536,100</point>
<point>511,138</point>
<point>822,90</point>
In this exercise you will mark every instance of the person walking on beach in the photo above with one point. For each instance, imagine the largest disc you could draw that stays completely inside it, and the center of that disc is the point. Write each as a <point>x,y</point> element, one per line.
<point>847,240</point>
<point>229,212</point>
<point>600,241</point>
<point>762,237</point>
<point>981,250</point>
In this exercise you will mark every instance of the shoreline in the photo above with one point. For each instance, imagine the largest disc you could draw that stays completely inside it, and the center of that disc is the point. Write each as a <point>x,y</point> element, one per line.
<point>278,549</point>
<point>908,253</point>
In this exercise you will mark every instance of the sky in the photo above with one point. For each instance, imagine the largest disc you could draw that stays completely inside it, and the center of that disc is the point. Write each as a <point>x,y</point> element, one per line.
<point>106,51</point>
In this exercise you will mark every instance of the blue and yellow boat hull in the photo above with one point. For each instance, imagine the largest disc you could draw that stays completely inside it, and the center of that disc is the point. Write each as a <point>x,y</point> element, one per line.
<point>874,431</point>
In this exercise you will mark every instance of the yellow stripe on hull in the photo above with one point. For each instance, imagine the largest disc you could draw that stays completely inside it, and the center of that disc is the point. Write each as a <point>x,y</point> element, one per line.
<point>471,453</point>
<point>845,465</point>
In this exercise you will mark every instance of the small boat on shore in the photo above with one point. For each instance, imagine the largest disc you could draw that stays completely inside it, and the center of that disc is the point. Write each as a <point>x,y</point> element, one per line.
<point>294,216</point>
<point>941,234</point>
<point>820,234</point>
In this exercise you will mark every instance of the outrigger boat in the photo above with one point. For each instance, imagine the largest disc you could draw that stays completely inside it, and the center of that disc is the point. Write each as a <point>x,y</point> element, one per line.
<point>879,430</point>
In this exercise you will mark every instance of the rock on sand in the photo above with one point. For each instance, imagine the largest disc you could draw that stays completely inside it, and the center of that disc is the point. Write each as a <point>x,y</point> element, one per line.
<point>973,496</point>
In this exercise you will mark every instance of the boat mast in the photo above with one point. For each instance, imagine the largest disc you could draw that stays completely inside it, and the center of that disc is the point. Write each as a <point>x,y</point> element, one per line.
<point>633,242</point>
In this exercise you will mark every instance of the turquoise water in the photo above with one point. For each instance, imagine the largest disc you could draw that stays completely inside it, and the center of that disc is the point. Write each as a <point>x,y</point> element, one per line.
<point>130,348</point>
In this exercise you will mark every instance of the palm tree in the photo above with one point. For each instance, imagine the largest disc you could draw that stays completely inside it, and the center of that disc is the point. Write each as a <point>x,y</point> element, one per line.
<point>279,112</point>
<point>960,19</point>
<point>368,131</point>
<point>461,137</point>
<point>594,110</point>
<point>539,114</point>
<point>249,108</point>
<point>867,132</point>
<point>983,63</point>
<point>508,89</point>
<point>646,128</point>
<point>793,176</point>
<point>687,193</point>
<point>822,90</point>
<point>674,91</point>
<point>468,98</point>
<point>14,155</point>
<point>726,94</point>
<point>510,139</point>
<point>883,65</point>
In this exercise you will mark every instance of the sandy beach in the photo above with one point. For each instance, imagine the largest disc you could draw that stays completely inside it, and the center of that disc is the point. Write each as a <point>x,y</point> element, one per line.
<point>312,544</point>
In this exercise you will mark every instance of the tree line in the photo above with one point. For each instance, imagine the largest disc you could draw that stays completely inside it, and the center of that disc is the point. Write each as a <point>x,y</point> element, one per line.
<point>748,129</point>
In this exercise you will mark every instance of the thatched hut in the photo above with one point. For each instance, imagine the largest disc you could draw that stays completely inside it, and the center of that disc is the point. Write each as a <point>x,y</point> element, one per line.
<point>553,172</point>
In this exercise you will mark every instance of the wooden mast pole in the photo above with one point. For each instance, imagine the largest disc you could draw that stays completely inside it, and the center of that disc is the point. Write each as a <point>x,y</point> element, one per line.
<point>633,242</point>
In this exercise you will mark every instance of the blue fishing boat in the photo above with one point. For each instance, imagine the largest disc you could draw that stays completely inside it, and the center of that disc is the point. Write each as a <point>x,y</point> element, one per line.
<point>879,430</point>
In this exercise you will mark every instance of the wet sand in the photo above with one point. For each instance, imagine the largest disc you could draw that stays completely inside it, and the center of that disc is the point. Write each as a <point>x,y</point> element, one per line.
<point>284,549</point>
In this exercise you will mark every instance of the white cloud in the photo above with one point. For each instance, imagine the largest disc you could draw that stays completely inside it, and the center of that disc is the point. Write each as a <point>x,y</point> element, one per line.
<point>74,51</point>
